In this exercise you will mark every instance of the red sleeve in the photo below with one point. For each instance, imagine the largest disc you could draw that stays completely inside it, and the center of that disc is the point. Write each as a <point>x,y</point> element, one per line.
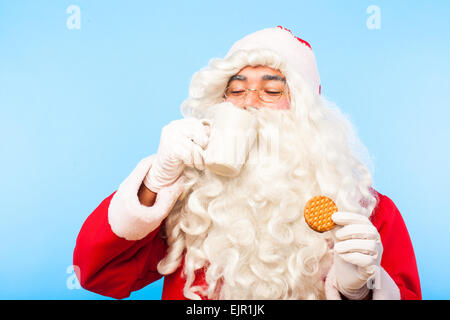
<point>112,266</point>
<point>398,254</point>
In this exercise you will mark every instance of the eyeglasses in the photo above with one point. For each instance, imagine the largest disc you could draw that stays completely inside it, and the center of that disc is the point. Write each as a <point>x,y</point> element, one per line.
<point>269,95</point>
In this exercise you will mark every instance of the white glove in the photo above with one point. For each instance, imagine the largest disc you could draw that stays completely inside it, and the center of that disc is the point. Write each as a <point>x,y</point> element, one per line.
<point>357,254</point>
<point>182,142</point>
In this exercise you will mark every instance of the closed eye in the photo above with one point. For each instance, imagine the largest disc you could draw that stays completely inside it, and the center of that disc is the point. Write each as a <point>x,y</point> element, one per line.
<point>236,92</point>
<point>273,92</point>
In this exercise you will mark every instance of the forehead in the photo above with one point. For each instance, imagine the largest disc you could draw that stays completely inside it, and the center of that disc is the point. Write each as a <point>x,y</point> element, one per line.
<point>258,72</point>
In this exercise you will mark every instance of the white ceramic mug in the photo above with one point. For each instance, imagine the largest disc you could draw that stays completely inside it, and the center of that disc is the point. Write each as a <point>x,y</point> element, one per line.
<point>232,135</point>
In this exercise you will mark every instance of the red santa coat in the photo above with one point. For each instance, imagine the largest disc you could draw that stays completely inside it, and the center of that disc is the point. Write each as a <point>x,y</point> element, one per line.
<point>114,266</point>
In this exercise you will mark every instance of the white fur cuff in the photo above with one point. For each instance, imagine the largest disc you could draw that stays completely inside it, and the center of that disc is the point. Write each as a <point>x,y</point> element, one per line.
<point>130,219</point>
<point>383,287</point>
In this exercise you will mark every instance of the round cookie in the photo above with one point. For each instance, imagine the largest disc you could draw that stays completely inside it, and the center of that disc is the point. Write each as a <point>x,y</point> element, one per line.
<point>318,211</point>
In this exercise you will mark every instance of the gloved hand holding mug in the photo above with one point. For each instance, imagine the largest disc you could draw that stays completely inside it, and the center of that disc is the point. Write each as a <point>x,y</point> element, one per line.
<point>182,144</point>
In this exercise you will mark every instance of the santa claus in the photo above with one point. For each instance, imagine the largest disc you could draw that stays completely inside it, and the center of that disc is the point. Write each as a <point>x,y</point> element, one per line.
<point>245,237</point>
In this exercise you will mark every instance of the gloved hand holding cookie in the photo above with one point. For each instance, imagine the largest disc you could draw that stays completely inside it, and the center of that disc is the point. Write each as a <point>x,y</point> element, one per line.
<point>357,254</point>
<point>357,250</point>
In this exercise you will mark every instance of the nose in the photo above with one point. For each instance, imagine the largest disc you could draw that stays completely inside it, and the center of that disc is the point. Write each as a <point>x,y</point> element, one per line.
<point>252,99</point>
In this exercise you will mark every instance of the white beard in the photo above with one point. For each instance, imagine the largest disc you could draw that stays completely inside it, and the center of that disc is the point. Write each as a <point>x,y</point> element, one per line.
<point>248,233</point>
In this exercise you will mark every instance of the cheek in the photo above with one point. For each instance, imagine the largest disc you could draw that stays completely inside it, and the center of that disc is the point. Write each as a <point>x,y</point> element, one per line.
<point>283,104</point>
<point>239,104</point>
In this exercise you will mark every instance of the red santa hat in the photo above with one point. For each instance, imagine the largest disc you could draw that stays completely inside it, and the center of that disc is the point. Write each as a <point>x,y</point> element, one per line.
<point>295,51</point>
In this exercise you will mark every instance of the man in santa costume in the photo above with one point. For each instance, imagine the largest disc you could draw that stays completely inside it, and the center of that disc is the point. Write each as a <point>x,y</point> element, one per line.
<point>245,237</point>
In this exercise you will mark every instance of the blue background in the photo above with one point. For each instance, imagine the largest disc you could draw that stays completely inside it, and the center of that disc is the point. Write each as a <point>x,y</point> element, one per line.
<point>79,108</point>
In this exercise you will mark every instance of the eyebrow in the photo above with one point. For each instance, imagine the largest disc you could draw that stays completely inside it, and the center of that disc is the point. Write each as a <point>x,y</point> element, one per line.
<point>265,77</point>
<point>273,77</point>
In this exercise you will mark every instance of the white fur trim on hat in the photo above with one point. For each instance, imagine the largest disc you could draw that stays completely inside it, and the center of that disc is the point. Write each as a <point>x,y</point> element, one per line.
<point>296,52</point>
<point>130,219</point>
